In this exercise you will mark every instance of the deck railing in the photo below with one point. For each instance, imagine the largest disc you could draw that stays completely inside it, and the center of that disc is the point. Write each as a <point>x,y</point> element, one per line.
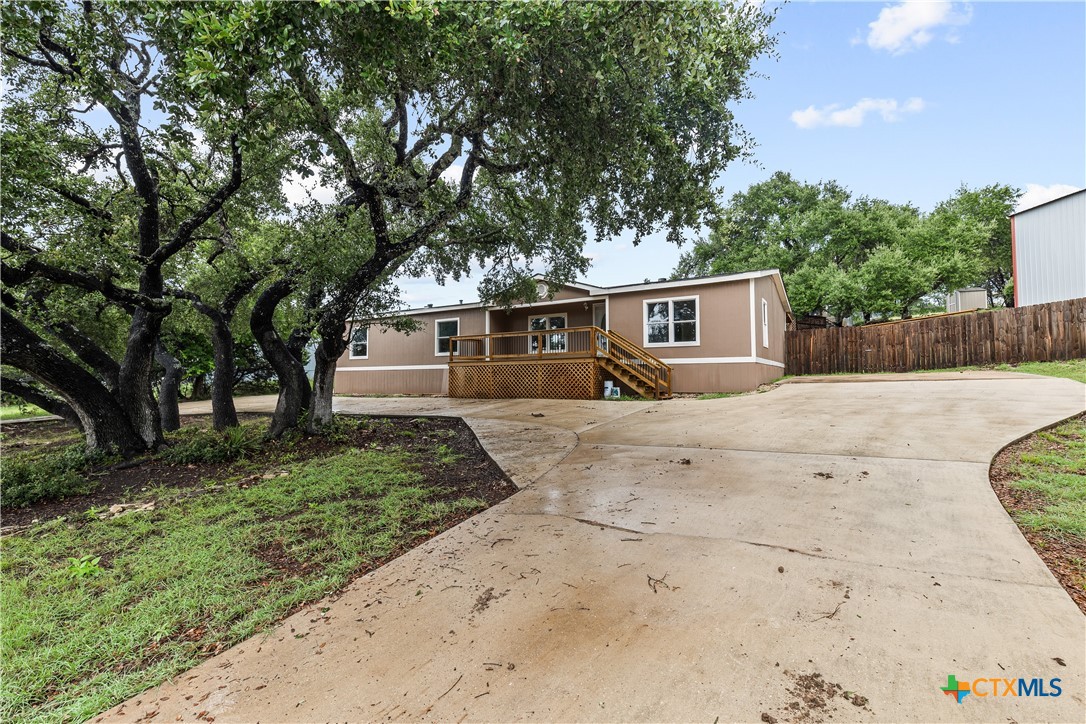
<point>570,343</point>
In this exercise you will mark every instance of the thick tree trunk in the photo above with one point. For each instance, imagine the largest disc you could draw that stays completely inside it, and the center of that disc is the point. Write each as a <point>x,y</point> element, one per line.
<point>47,402</point>
<point>328,351</point>
<point>106,426</point>
<point>169,389</point>
<point>135,381</point>
<point>294,390</point>
<point>223,413</point>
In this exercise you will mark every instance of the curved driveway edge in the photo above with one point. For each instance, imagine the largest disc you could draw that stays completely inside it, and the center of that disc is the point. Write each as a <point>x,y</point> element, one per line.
<point>821,552</point>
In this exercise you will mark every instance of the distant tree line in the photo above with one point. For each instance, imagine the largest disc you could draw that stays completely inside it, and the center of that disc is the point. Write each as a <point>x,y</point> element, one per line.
<point>861,258</point>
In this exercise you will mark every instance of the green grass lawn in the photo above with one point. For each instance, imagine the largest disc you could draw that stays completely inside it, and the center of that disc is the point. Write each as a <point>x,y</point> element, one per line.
<point>1055,468</point>
<point>1074,369</point>
<point>95,611</point>
<point>16,412</point>
<point>719,395</point>
<point>1041,481</point>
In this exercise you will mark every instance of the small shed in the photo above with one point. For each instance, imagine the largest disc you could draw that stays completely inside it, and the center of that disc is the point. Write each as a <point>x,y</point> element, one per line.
<point>964,300</point>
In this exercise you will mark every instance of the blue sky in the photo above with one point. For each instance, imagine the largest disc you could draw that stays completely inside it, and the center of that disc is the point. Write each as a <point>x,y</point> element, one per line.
<point>901,101</point>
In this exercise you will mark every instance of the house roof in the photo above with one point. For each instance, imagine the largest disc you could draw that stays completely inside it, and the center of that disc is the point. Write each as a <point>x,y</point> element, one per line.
<point>696,281</point>
<point>1050,201</point>
<point>596,291</point>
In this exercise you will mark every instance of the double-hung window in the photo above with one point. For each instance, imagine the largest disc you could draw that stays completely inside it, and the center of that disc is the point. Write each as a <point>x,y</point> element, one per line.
<point>360,343</point>
<point>443,330</point>
<point>672,322</point>
<point>765,324</point>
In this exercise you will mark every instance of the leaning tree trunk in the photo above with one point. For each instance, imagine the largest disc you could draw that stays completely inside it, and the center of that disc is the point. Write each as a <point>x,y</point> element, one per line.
<point>106,426</point>
<point>223,412</point>
<point>35,396</point>
<point>328,351</point>
<point>169,389</point>
<point>294,390</point>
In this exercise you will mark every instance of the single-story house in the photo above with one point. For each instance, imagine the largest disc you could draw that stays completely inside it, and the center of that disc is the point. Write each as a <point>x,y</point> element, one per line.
<point>1048,251</point>
<point>720,333</point>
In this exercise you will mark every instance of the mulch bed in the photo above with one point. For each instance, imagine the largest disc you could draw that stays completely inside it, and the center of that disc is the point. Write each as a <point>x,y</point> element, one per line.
<point>1059,552</point>
<point>474,475</point>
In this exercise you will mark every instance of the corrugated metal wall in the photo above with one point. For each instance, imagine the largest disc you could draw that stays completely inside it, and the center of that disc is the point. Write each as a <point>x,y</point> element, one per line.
<point>1050,251</point>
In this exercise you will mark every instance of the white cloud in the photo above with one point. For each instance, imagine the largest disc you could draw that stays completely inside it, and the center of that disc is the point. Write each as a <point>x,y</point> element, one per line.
<point>1037,194</point>
<point>453,173</point>
<point>854,115</point>
<point>913,24</point>
<point>299,191</point>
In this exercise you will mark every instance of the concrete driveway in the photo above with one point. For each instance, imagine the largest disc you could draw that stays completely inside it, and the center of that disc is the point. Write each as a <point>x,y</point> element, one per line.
<point>826,551</point>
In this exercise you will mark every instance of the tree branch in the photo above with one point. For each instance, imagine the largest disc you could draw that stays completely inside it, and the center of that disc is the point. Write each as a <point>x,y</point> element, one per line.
<point>34,267</point>
<point>209,209</point>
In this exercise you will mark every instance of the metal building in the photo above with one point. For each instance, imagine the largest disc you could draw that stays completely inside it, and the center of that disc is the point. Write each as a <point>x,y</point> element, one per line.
<point>1048,248</point>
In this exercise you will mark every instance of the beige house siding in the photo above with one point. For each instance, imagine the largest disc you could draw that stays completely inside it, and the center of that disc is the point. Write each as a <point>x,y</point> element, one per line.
<point>723,377</point>
<point>724,319</point>
<point>392,382</point>
<point>567,292</point>
<point>425,371</point>
<point>765,288</point>
<point>516,319</point>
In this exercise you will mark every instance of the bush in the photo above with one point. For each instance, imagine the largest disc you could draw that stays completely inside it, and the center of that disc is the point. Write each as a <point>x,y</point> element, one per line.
<point>26,479</point>
<point>208,446</point>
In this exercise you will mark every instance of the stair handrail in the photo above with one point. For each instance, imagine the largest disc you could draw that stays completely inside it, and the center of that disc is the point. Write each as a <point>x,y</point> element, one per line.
<point>659,381</point>
<point>644,352</point>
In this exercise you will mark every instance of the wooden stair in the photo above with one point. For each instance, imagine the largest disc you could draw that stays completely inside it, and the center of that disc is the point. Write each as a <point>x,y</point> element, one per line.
<point>633,367</point>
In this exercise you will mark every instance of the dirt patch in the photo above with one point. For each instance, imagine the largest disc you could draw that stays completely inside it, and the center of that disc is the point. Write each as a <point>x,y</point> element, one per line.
<point>816,699</point>
<point>473,475</point>
<point>1064,555</point>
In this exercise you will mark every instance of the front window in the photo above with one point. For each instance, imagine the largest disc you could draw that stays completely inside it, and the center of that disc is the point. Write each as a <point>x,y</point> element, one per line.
<point>360,343</point>
<point>552,342</point>
<point>444,329</point>
<point>671,321</point>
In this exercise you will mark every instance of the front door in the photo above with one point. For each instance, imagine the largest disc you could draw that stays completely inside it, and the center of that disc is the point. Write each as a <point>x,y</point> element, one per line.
<point>552,342</point>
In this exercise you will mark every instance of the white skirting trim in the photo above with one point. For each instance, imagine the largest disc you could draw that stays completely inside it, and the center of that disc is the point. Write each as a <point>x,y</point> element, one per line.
<point>720,361</point>
<point>672,361</point>
<point>393,368</point>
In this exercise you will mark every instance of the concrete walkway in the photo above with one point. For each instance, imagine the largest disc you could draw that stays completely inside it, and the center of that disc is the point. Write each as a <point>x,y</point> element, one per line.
<point>694,560</point>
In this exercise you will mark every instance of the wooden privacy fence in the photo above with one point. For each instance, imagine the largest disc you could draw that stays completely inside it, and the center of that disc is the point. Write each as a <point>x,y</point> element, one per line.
<point>1038,333</point>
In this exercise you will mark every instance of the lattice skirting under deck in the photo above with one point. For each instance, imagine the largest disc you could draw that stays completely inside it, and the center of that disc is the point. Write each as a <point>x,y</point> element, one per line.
<point>561,380</point>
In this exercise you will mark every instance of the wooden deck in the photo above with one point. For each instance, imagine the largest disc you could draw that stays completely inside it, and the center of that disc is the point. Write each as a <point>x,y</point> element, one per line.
<point>556,364</point>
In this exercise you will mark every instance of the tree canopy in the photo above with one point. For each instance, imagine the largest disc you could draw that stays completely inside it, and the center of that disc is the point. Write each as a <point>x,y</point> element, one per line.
<point>860,256</point>
<point>146,145</point>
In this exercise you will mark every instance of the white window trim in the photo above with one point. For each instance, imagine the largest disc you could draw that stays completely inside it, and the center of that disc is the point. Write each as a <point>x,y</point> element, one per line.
<point>670,324</point>
<point>765,323</point>
<point>563,315</point>
<point>350,344</point>
<point>565,319</point>
<point>437,323</point>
